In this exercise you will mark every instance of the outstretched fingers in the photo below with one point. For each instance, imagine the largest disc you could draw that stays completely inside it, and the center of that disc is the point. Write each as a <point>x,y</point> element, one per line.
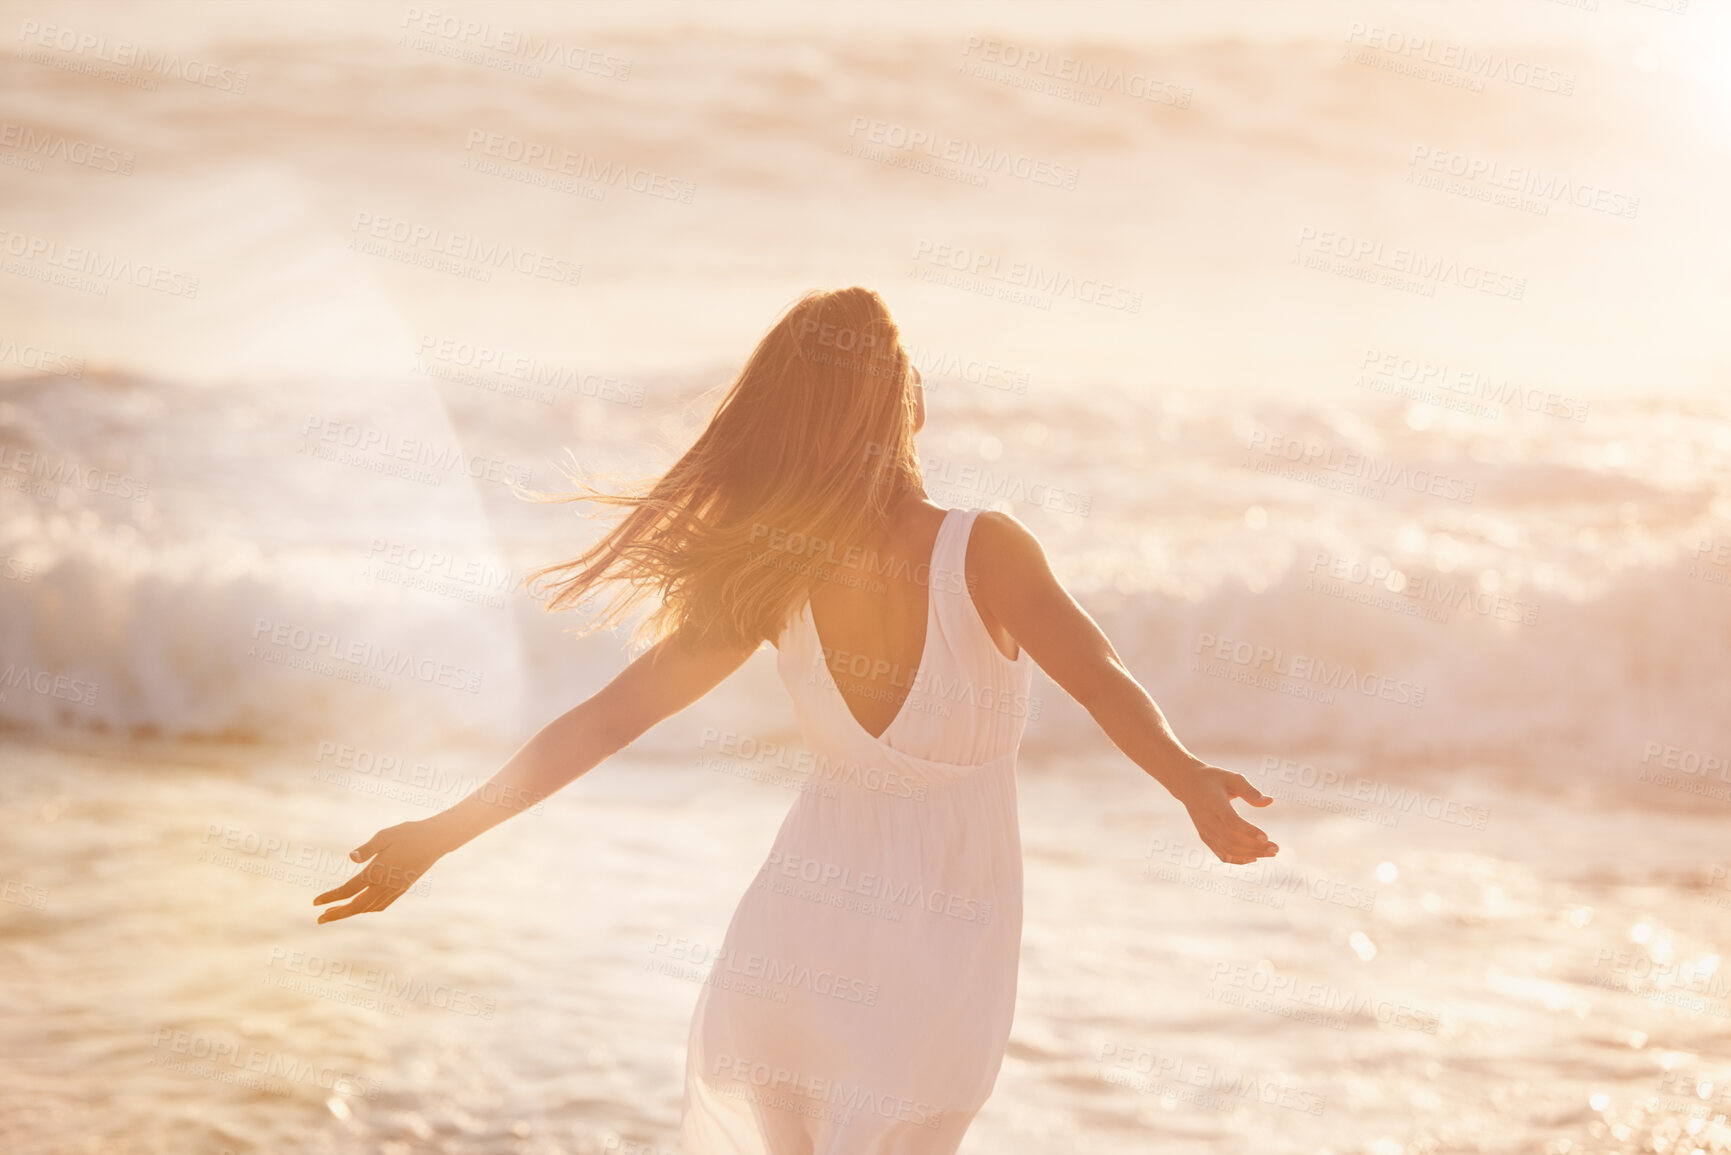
<point>338,912</point>
<point>361,853</point>
<point>372,874</point>
<point>1249,831</point>
<point>352,886</point>
<point>374,897</point>
<point>1242,842</point>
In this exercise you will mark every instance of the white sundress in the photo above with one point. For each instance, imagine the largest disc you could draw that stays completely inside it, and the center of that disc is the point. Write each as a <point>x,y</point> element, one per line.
<point>862,998</point>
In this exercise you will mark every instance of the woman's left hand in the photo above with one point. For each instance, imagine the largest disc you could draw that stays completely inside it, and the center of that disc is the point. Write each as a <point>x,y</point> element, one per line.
<point>400,855</point>
<point>1208,795</point>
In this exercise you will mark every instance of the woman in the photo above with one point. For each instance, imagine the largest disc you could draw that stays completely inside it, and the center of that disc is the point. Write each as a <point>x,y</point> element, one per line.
<point>881,936</point>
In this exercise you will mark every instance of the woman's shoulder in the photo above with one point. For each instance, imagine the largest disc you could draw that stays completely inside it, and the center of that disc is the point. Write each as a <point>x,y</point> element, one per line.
<point>1002,554</point>
<point>1001,539</point>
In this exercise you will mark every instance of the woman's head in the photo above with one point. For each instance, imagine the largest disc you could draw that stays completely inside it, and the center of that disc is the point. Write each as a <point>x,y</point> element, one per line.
<point>826,393</point>
<point>812,442</point>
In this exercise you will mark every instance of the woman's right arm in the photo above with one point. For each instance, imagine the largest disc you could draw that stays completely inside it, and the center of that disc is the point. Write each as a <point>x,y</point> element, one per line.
<point>1013,581</point>
<point>663,681</point>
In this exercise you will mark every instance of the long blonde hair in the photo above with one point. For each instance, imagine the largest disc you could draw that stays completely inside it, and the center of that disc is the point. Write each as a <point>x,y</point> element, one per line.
<point>803,457</point>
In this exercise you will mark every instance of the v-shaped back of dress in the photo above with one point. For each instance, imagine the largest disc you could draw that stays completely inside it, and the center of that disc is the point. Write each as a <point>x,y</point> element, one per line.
<point>968,703</point>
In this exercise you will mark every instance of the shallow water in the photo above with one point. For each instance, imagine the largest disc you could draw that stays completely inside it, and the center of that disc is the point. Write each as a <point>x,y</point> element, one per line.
<point>1389,983</point>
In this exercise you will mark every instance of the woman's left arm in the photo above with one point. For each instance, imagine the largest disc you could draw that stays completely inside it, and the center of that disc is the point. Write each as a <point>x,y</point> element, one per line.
<point>663,681</point>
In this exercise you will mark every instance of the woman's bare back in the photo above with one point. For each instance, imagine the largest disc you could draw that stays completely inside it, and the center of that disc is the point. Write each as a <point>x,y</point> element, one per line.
<point>872,618</point>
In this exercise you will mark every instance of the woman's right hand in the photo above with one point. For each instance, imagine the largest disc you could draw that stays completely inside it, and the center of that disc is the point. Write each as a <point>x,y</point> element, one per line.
<point>400,855</point>
<point>1208,795</point>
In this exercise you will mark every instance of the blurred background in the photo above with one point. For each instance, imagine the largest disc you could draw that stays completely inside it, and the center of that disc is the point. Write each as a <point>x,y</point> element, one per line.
<point>1361,365</point>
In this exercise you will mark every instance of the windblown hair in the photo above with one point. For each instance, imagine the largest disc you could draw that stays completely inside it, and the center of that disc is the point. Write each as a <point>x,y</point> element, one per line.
<point>802,459</point>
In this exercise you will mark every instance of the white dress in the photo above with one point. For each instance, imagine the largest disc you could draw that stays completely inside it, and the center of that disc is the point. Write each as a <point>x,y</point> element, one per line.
<point>862,999</point>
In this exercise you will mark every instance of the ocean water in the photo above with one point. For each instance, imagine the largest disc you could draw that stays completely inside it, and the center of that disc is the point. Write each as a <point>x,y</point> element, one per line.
<point>1389,577</point>
<point>1371,401</point>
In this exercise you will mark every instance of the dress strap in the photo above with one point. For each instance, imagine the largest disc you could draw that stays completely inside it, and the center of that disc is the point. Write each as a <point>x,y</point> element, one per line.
<point>948,575</point>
